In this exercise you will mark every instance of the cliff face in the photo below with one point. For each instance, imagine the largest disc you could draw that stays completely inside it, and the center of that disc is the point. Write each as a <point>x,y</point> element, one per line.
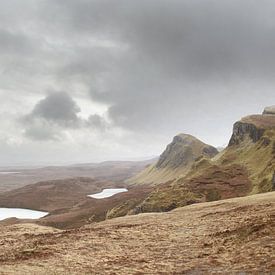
<point>252,127</point>
<point>176,160</point>
<point>241,130</point>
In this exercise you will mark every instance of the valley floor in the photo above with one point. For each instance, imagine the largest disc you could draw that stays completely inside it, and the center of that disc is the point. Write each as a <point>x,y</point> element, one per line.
<point>229,236</point>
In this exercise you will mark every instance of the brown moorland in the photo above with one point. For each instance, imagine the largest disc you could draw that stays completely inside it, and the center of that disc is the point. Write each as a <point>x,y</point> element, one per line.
<point>67,202</point>
<point>223,237</point>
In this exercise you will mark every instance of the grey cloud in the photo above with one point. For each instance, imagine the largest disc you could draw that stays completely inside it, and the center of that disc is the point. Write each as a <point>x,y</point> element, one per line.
<point>50,116</point>
<point>195,38</point>
<point>41,130</point>
<point>178,54</point>
<point>14,43</point>
<point>57,107</point>
<point>56,113</point>
<point>97,122</point>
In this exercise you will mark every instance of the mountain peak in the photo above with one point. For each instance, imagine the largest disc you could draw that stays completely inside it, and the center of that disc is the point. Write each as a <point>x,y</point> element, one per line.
<point>184,138</point>
<point>182,150</point>
<point>176,160</point>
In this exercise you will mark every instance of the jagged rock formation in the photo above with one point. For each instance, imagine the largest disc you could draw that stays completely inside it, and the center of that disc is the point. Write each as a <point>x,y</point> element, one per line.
<point>176,160</point>
<point>242,129</point>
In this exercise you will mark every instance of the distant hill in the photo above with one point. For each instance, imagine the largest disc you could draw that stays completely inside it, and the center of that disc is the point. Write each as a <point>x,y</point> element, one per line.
<point>115,171</point>
<point>175,161</point>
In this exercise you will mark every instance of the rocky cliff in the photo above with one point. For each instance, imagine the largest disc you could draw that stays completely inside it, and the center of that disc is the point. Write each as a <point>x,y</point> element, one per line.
<point>241,130</point>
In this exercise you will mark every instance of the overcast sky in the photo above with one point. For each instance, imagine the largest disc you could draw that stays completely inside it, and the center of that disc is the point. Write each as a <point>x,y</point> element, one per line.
<point>93,80</point>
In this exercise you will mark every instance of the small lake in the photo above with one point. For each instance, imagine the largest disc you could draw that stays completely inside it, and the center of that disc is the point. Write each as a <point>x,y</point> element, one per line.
<point>8,173</point>
<point>20,213</point>
<point>106,193</point>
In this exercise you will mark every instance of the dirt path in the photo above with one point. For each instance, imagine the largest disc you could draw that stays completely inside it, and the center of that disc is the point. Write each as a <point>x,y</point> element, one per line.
<point>230,236</point>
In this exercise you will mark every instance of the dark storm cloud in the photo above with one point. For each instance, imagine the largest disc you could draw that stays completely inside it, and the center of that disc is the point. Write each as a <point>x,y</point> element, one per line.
<point>50,116</point>
<point>178,54</point>
<point>59,108</point>
<point>190,38</point>
<point>55,113</point>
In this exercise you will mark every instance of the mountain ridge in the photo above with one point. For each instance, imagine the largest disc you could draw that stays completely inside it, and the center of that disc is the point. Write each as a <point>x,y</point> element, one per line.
<point>246,166</point>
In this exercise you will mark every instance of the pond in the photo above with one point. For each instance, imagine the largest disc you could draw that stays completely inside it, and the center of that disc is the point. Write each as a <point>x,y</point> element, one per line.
<point>106,193</point>
<point>21,213</point>
<point>8,173</point>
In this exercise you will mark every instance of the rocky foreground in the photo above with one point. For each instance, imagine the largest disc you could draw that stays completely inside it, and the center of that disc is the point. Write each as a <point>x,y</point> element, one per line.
<point>228,236</point>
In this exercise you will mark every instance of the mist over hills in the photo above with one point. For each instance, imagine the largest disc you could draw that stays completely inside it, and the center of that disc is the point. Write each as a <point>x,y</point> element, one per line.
<point>116,171</point>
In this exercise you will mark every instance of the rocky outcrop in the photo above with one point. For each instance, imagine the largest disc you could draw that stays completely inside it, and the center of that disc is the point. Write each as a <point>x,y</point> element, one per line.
<point>253,126</point>
<point>242,130</point>
<point>269,110</point>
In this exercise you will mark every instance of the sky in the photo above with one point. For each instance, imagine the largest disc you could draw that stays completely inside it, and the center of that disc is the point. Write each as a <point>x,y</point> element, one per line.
<point>95,80</point>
